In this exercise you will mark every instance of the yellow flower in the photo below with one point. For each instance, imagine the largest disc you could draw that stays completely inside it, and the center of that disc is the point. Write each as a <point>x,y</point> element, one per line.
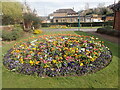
<point>46,66</point>
<point>81,64</point>
<point>21,59</point>
<point>13,51</point>
<point>65,56</point>
<point>61,58</point>
<point>22,45</point>
<point>31,62</point>
<point>77,48</point>
<point>34,48</point>
<point>73,51</point>
<point>65,48</point>
<point>35,45</point>
<point>37,49</point>
<point>92,59</point>
<point>54,61</point>
<point>52,69</point>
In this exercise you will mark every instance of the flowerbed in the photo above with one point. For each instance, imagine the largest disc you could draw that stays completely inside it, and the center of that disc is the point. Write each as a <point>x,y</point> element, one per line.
<point>37,31</point>
<point>58,55</point>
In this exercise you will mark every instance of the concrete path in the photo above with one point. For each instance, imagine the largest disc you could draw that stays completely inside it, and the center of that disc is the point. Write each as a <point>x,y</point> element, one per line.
<point>86,30</point>
<point>92,31</point>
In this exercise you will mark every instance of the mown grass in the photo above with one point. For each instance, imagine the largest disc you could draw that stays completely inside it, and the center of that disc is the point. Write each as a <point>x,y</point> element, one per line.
<point>105,78</point>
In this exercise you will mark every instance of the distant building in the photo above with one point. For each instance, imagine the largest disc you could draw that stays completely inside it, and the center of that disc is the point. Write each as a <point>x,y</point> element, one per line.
<point>64,15</point>
<point>96,18</point>
<point>67,15</point>
<point>70,16</point>
<point>109,17</point>
<point>116,9</point>
<point>45,19</point>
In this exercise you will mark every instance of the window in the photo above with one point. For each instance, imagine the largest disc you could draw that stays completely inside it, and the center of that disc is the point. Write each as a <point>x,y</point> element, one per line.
<point>56,20</point>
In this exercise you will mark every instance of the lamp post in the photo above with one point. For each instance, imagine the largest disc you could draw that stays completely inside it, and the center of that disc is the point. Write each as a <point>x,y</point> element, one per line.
<point>78,21</point>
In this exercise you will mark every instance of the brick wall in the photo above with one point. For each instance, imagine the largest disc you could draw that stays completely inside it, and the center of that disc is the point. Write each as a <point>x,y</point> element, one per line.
<point>117,20</point>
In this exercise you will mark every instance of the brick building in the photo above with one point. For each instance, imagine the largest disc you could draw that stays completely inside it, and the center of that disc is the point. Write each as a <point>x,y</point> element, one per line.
<point>116,9</point>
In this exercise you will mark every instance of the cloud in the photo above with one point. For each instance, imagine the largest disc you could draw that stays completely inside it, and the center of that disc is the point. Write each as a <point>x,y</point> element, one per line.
<point>45,7</point>
<point>57,1</point>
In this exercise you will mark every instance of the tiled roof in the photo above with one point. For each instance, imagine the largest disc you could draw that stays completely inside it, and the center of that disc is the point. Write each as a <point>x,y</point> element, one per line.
<point>65,11</point>
<point>71,16</point>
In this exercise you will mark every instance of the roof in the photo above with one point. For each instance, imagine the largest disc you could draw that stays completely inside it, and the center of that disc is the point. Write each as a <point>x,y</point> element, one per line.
<point>65,11</point>
<point>72,16</point>
<point>116,7</point>
<point>44,18</point>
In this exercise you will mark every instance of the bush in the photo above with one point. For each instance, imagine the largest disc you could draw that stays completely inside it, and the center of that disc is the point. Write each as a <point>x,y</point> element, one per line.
<point>12,35</point>
<point>101,30</point>
<point>37,31</point>
<point>108,31</point>
<point>108,27</point>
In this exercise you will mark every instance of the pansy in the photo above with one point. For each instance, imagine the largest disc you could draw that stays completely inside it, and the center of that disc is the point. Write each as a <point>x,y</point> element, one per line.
<point>81,64</point>
<point>59,54</point>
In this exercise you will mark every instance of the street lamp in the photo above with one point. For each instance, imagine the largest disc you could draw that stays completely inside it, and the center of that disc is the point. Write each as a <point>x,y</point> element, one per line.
<point>78,21</point>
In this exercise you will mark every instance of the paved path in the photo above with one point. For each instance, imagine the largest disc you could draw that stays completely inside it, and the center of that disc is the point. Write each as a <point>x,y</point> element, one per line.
<point>91,29</point>
<point>107,37</point>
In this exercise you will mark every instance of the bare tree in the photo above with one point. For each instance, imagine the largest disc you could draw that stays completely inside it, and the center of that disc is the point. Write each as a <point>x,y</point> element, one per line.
<point>100,5</point>
<point>86,6</point>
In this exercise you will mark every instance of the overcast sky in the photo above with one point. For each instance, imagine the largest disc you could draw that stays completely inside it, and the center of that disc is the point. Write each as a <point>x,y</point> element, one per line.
<point>45,7</point>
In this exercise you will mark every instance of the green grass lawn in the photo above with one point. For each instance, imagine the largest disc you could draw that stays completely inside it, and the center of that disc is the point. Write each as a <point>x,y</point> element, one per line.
<point>105,78</point>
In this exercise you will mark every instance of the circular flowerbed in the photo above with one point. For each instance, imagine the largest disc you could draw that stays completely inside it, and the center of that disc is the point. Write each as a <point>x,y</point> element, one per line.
<point>58,55</point>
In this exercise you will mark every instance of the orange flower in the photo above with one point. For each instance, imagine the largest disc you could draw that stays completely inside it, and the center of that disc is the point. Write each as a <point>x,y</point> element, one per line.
<point>17,51</point>
<point>37,62</point>
<point>31,51</point>
<point>39,53</point>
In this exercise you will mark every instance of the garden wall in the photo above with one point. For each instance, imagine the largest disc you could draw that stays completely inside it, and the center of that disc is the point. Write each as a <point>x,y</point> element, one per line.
<point>117,21</point>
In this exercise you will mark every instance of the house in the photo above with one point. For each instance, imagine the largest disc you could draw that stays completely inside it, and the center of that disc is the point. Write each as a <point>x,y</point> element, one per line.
<point>116,9</point>
<point>64,15</point>
<point>109,17</point>
<point>67,15</point>
<point>96,18</point>
<point>45,19</point>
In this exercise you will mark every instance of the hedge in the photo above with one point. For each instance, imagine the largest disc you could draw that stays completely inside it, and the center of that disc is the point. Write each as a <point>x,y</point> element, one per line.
<point>83,24</point>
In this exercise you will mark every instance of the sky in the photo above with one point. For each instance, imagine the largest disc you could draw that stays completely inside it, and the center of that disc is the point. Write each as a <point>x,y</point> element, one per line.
<point>45,7</point>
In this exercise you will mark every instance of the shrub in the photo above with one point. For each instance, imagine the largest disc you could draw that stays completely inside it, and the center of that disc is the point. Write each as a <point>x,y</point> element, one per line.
<point>83,24</point>
<point>108,31</point>
<point>37,31</point>
<point>108,27</point>
<point>101,30</point>
<point>12,35</point>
